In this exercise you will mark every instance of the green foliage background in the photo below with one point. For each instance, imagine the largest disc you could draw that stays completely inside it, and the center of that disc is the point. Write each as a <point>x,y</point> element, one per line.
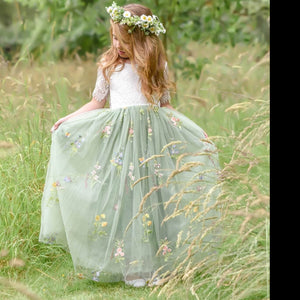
<point>53,29</point>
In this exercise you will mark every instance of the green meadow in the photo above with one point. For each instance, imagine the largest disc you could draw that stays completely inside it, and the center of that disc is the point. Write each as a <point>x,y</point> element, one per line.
<point>229,100</point>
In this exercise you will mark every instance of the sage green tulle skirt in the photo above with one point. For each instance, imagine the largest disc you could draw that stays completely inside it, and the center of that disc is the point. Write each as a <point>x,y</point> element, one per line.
<point>127,190</point>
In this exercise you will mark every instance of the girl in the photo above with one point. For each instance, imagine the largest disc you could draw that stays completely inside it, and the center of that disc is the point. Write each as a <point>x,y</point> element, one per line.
<point>119,178</point>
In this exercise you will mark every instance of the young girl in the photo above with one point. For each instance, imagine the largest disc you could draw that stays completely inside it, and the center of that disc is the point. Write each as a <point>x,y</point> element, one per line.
<point>116,175</point>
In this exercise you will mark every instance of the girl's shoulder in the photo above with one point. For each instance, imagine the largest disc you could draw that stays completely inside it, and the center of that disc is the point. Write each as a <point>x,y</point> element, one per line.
<point>102,62</point>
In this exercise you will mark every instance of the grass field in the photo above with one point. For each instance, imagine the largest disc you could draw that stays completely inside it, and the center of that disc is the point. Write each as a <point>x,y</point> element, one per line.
<point>230,101</point>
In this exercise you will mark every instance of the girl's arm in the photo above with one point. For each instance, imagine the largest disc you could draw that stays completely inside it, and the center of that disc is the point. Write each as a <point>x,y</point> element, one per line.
<point>93,104</point>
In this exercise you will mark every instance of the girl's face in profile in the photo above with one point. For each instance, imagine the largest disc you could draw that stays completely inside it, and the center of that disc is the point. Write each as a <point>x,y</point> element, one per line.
<point>118,46</point>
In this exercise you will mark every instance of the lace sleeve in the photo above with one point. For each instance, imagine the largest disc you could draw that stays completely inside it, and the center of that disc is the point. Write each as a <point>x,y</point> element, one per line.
<point>102,87</point>
<point>166,95</point>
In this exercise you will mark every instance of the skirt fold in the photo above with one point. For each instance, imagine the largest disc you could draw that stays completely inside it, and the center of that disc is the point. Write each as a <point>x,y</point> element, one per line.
<point>114,179</point>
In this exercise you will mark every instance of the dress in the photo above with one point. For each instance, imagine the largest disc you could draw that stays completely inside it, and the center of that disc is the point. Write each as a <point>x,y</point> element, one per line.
<point>114,177</point>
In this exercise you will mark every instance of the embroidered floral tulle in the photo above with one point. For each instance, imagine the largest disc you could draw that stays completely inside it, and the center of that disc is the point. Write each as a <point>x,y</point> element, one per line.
<point>117,175</point>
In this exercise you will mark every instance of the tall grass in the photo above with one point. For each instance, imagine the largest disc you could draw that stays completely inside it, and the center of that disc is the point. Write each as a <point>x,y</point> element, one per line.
<point>230,101</point>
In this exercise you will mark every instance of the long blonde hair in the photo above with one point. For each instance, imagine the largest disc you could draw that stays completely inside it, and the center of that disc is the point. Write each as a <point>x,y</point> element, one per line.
<point>146,53</point>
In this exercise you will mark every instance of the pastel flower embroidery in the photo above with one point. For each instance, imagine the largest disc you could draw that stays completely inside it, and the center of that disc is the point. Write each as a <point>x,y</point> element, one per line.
<point>130,173</point>
<point>157,172</point>
<point>117,161</point>
<point>147,225</point>
<point>107,130</point>
<point>149,129</point>
<point>166,250</point>
<point>142,160</point>
<point>119,252</point>
<point>157,169</point>
<point>175,121</point>
<point>77,143</point>
<point>97,166</point>
<point>56,184</point>
<point>131,132</point>
<point>174,151</point>
<point>94,175</point>
<point>99,225</point>
<point>67,179</point>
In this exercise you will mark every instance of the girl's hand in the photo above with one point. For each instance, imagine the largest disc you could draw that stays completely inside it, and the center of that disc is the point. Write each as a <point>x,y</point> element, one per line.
<point>57,124</point>
<point>93,104</point>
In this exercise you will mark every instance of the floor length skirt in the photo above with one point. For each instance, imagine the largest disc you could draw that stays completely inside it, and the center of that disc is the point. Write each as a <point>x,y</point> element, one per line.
<point>127,190</point>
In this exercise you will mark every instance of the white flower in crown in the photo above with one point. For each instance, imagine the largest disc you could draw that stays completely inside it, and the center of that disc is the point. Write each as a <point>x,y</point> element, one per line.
<point>127,14</point>
<point>149,18</point>
<point>144,18</point>
<point>109,9</point>
<point>148,24</point>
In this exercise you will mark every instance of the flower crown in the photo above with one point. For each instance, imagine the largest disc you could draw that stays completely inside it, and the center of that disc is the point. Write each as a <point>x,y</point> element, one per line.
<point>148,24</point>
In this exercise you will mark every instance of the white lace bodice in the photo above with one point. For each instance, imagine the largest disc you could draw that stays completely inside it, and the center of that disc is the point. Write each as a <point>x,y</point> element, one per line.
<point>124,89</point>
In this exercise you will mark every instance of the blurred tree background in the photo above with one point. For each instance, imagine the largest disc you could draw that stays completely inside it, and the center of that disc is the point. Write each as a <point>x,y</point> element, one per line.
<point>51,30</point>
